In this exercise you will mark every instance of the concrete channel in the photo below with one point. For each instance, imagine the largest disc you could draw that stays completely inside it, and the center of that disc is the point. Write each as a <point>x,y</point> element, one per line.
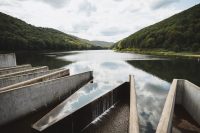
<point>122,117</point>
<point>186,94</point>
<point>81,116</point>
<point>7,60</point>
<point>78,118</point>
<point>18,102</point>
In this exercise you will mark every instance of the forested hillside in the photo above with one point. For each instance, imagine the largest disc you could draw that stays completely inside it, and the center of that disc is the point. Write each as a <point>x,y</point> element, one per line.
<point>102,43</point>
<point>18,35</point>
<point>180,32</point>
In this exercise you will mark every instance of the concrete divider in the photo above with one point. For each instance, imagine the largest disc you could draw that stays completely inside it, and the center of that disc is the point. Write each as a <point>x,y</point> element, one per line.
<point>36,69</point>
<point>53,75</point>
<point>133,118</point>
<point>165,123</point>
<point>7,60</point>
<point>61,119</point>
<point>190,98</point>
<point>14,69</point>
<point>19,102</point>
<point>6,81</point>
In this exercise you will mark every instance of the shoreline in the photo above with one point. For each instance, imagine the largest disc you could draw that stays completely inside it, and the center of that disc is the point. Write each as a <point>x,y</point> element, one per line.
<point>164,53</point>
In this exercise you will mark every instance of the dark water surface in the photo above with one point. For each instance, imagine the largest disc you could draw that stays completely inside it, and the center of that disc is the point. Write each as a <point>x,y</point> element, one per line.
<point>153,75</point>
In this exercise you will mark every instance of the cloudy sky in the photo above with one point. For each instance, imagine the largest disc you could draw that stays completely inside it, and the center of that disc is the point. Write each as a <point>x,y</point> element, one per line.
<point>108,20</point>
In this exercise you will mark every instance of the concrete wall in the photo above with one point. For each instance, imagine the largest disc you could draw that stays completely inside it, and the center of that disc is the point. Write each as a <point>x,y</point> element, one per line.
<point>181,92</point>
<point>83,116</point>
<point>14,69</point>
<point>20,102</point>
<point>50,76</point>
<point>7,60</point>
<point>191,99</point>
<point>20,78</point>
<point>36,69</point>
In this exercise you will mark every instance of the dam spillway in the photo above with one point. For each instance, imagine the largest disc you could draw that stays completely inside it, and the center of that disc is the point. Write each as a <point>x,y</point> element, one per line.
<point>55,101</point>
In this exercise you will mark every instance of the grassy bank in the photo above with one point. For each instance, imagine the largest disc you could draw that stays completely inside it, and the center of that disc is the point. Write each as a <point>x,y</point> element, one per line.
<point>161,52</point>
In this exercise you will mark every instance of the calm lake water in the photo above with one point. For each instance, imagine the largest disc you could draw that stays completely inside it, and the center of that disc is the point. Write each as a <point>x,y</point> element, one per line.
<point>153,75</point>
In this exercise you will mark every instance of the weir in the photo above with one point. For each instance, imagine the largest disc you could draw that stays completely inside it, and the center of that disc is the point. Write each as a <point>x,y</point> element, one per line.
<point>19,102</point>
<point>122,117</point>
<point>75,116</point>
<point>84,106</point>
<point>80,114</point>
<point>7,60</point>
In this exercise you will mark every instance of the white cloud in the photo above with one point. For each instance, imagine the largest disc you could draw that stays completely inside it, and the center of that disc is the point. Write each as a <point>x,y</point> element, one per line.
<point>108,20</point>
<point>87,7</point>
<point>163,3</point>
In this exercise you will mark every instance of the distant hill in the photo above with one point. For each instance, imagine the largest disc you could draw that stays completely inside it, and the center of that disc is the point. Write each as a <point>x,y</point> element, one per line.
<point>102,43</point>
<point>180,32</point>
<point>16,34</point>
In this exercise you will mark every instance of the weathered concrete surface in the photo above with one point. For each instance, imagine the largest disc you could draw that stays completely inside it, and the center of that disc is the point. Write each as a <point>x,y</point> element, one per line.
<point>190,99</point>
<point>78,119</point>
<point>184,93</point>
<point>20,78</point>
<point>14,69</point>
<point>121,118</point>
<point>19,102</point>
<point>7,60</point>
<point>115,120</point>
<point>183,122</point>
<point>36,69</point>
<point>50,76</point>
<point>133,120</point>
<point>165,123</point>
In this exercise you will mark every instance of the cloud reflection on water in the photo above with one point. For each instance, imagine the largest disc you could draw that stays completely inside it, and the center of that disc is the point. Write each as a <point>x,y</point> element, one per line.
<point>110,68</point>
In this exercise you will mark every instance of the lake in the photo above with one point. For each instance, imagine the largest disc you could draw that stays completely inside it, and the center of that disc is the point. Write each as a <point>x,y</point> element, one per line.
<point>153,75</point>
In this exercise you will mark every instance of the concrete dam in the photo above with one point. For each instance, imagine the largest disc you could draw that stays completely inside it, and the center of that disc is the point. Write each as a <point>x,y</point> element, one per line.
<point>36,99</point>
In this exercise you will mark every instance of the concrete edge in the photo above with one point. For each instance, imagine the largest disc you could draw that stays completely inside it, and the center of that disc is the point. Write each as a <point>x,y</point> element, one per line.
<point>59,73</point>
<point>133,118</point>
<point>22,72</point>
<point>165,123</point>
<point>188,82</point>
<point>14,67</point>
<point>7,54</point>
<point>31,73</point>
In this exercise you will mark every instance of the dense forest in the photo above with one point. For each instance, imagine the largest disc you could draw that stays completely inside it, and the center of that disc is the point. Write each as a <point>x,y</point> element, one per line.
<point>180,32</point>
<point>18,35</point>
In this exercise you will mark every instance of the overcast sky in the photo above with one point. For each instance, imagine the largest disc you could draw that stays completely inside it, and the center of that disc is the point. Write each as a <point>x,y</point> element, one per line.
<point>108,20</point>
